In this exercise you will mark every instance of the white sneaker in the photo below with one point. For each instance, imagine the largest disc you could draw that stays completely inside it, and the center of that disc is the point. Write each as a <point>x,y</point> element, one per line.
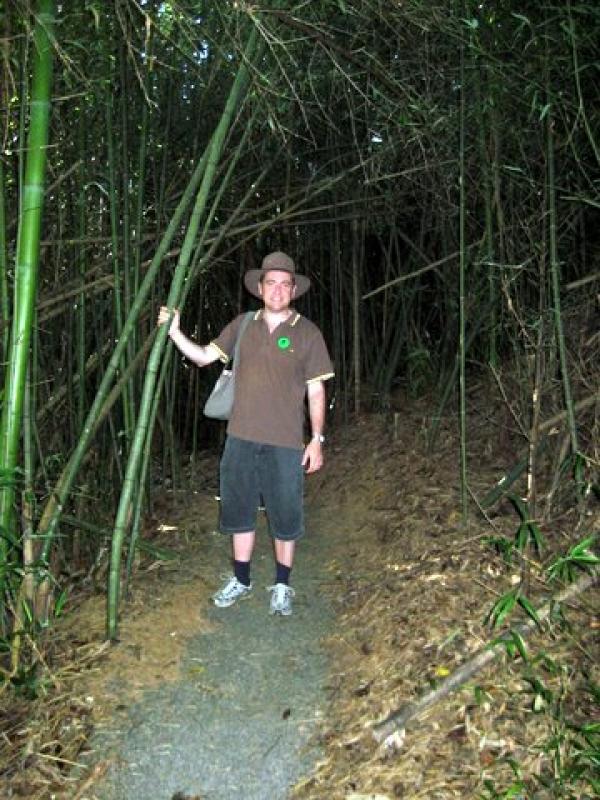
<point>231,591</point>
<point>281,599</point>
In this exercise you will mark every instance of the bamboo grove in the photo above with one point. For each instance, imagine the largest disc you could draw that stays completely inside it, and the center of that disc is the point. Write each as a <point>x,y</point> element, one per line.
<point>433,167</point>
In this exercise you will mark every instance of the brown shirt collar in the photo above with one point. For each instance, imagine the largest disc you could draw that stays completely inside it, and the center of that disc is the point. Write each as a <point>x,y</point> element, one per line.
<point>291,321</point>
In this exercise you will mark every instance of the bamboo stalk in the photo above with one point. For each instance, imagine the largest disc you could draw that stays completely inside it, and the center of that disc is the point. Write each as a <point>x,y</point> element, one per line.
<point>80,322</point>
<point>4,294</point>
<point>488,240</point>
<point>54,505</point>
<point>119,247</point>
<point>555,283</point>
<point>26,268</point>
<point>464,495</point>
<point>146,455</point>
<point>123,516</point>
<point>356,315</point>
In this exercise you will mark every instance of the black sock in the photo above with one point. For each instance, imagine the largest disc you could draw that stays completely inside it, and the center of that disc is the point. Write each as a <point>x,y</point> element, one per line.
<point>283,573</point>
<point>241,571</point>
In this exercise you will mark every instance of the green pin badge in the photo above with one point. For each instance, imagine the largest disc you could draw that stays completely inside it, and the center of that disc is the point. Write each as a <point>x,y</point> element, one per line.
<point>283,343</point>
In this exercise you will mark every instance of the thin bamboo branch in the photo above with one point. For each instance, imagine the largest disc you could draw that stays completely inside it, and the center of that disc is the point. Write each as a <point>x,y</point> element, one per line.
<point>415,273</point>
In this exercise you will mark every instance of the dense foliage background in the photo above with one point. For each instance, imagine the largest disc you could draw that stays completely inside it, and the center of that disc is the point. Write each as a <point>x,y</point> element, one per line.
<point>433,167</point>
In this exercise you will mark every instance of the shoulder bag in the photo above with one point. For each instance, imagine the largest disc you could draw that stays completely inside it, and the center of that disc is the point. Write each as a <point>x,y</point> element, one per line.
<point>220,401</point>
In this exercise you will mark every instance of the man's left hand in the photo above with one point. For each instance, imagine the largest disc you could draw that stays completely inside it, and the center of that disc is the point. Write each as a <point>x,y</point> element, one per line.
<point>312,460</point>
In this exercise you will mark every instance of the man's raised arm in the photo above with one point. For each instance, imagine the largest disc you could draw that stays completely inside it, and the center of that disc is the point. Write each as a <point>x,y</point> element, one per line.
<point>198,354</point>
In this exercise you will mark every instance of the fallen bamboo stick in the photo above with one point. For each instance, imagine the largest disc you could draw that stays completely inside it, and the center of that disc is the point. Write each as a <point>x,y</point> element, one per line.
<point>397,720</point>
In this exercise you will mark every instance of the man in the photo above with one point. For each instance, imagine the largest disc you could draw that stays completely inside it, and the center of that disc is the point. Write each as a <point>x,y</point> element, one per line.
<point>282,360</point>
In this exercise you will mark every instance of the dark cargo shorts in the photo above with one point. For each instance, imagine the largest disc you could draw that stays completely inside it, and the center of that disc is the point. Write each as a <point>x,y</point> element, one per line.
<point>253,474</point>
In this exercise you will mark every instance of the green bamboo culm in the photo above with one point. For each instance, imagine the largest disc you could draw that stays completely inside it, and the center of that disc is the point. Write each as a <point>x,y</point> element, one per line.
<point>142,430</point>
<point>555,277</point>
<point>27,264</point>
<point>54,506</point>
<point>4,298</point>
<point>462,277</point>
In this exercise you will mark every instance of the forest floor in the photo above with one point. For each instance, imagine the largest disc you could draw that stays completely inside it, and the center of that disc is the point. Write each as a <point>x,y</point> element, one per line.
<point>392,596</point>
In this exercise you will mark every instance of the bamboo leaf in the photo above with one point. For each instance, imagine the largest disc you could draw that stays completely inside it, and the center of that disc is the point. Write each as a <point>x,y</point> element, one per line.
<point>544,111</point>
<point>529,610</point>
<point>520,645</point>
<point>522,536</point>
<point>522,17</point>
<point>27,611</point>
<point>9,537</point>
<point>60,603</point>
<point>520,506</point>
<point>536,536</point>
<point>582,549</point>
<point>501,609</point>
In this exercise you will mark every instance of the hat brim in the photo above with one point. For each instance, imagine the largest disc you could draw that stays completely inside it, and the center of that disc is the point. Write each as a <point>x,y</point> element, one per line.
<point>253,276</point>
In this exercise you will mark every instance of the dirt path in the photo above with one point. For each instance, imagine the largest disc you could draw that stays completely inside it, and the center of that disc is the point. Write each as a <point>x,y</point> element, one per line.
<point>392,595</point>
<point>240,719</point>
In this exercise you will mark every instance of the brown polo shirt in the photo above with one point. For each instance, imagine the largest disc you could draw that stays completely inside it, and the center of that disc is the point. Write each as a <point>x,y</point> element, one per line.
<point>271,377</point>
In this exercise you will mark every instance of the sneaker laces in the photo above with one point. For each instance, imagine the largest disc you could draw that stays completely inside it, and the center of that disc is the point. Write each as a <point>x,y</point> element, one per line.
<point>281,592</point>
<point>232,587</point>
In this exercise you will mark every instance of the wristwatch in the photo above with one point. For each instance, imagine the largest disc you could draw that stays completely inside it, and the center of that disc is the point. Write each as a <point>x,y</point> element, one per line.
<point>319,437</point>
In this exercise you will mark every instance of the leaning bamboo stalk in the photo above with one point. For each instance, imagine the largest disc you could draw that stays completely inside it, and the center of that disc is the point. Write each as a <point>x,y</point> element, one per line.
<point>124,511</point>
<point>98,287</point>
<point>58,497</point>
<point>101,283</point>
<point>53,508</point>
<point>62,486</point>
<point>414,274</point>
<point>108,401</point>
<point>146,456</point>
<point>397,720</point>
<point>58,397</point>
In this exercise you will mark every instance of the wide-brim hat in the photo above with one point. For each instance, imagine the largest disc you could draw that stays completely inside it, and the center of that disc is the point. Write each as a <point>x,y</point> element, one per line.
<point>280,261</point>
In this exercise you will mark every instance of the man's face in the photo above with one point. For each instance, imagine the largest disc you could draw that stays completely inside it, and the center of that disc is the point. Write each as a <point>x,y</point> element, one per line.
<point>277,290</point>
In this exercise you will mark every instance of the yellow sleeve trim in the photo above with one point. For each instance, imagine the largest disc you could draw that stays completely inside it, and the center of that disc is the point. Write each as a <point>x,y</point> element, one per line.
<point>324,377</point>
<point>222,354</point>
